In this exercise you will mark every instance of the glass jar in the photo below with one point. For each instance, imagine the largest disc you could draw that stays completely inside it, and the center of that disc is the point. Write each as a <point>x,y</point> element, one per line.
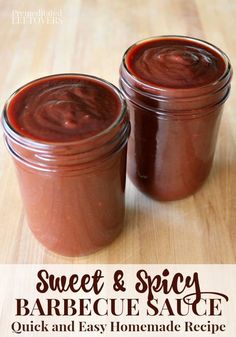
<point>73,192</point>
<point>173,129</point>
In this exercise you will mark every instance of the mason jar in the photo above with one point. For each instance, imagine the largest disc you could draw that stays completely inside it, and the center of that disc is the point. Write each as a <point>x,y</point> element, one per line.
<point>175,98</point>
<point>72,189</point>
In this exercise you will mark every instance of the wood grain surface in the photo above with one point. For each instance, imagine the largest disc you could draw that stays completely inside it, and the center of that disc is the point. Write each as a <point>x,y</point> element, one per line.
<point>91,39</point>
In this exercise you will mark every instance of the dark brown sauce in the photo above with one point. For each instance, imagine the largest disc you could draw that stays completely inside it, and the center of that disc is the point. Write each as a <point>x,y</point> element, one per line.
<point>175,63</point>
<point>63,108</point>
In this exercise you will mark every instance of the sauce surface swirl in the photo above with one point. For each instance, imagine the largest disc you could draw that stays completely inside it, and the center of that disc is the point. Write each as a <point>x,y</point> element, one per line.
<point>174,63</point>
<point>63,108</point>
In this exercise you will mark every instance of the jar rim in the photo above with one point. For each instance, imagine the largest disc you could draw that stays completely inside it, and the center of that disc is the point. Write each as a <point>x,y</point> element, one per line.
<point>148,86</point>
<point>17,136</point>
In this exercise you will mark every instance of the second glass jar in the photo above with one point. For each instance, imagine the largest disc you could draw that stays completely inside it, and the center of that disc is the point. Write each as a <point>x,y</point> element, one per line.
<point>174,129</point>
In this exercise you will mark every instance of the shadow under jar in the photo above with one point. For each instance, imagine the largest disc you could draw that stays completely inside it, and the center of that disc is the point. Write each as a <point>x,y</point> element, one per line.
<point>68,136</point>
<point>175,88</point>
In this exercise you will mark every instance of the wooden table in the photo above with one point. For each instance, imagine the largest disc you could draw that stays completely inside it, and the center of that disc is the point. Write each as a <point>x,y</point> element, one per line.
<point>90,37</point>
